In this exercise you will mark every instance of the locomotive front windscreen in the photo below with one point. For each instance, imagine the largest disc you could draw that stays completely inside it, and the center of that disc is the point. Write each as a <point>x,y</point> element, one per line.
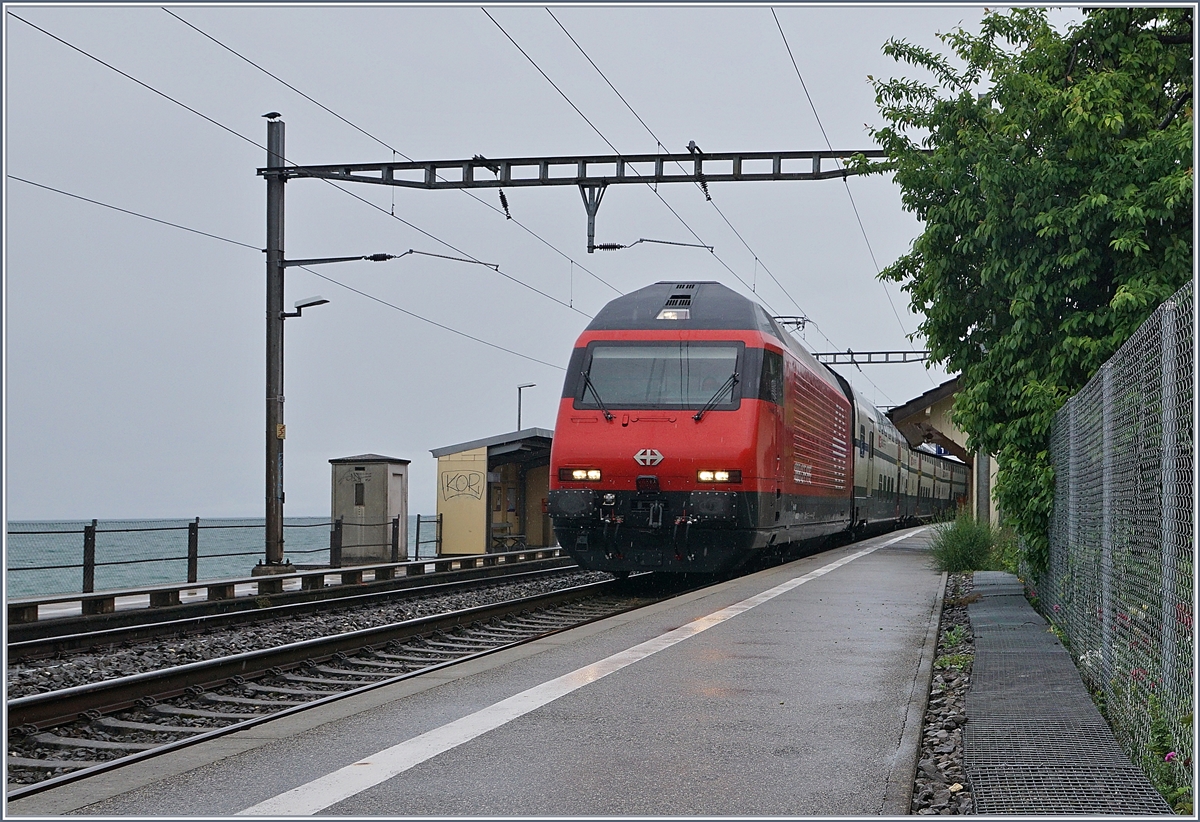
<point>662,375</point>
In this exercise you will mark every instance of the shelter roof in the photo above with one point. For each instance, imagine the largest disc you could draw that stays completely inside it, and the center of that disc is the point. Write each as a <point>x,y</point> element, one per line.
<point>528,436</point>
<point>370,458</point>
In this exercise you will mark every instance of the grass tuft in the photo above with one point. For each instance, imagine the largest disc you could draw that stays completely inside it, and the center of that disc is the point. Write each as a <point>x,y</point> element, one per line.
<point>966,544</point>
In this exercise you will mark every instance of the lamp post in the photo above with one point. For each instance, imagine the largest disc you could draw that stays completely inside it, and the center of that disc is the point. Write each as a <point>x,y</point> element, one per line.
<point>519,389</point>
<point>276,175</point>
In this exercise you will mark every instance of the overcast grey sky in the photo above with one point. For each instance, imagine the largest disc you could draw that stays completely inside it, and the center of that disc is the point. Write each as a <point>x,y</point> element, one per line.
<point>134,355</point>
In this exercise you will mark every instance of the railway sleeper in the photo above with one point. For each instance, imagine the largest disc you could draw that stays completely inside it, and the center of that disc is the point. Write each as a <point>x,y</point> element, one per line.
<point>432,658</point>
<point>254,687</point>
<point>111,722</point>
<point>171,710</point>
<point>317,680</point>
<point>242,700</point>
<point>94,744</point>
<point>513,635</point>
<point>480,645</point>
<point>498,630</point>
<point>543,624</point>
<point>48,764</point>
<point>399,669</point>
<point>352,672</point>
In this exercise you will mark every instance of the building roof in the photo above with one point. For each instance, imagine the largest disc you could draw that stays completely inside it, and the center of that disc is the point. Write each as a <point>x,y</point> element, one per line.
<point>926,400</point>
<point>370,458</point>
<point>913,421</point>
<point>526,435</point>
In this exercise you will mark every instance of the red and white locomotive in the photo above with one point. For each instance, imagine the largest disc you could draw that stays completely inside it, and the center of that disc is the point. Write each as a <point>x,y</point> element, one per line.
<point>694,433</point>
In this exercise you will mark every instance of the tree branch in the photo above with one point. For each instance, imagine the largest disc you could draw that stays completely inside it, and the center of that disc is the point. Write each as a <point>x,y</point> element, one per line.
<point>1179,101</point>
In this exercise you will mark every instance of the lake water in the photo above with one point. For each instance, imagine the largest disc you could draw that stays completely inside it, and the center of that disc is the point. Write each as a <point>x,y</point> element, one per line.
<point>227,548</point>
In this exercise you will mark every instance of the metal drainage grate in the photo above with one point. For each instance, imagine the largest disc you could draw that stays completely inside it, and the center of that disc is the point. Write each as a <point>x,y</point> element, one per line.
<point>1001,640</point>
<point>992,744</point>
<point>1049,790</point>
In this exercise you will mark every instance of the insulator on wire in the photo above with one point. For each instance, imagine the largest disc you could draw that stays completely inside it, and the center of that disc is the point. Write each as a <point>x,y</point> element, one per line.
<point>704,188</point>
<point>504,202</point>
<point>608,246</point>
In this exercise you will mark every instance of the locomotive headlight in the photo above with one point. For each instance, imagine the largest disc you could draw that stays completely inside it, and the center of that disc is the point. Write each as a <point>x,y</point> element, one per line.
<point>719,476</point>
<point>579,474</point>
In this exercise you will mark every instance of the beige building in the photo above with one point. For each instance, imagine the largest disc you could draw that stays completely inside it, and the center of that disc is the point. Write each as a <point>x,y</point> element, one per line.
<point>491,493</point>
<point>926,419</point>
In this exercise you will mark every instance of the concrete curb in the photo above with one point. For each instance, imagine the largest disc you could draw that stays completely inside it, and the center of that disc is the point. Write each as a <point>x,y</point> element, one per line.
<point>897,799</point>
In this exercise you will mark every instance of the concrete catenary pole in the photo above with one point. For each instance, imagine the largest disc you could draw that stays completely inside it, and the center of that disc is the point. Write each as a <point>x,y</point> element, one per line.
<point>275,268</point>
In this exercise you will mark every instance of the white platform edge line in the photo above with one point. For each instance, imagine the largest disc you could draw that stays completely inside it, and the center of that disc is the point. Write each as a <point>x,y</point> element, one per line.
<point>355,778</point>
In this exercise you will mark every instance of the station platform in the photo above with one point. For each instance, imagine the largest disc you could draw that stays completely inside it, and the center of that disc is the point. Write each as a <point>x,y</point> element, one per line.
<point>795,691</point>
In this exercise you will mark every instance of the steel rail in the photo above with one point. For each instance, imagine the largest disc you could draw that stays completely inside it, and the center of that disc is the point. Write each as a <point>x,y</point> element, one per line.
<point>41,647</point>
<point>21,631</point>
<point>59,707</point>
<point>178,681</point>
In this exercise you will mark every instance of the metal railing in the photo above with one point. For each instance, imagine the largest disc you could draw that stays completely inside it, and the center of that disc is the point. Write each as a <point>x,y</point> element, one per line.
<point>361,532</point>
<point>1119,580</point>
<point>59,557</point>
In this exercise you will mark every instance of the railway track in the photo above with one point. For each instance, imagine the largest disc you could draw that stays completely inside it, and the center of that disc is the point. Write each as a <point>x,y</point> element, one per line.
<point>314,593</point>
<point>65,735</point>
<point>77,641</point>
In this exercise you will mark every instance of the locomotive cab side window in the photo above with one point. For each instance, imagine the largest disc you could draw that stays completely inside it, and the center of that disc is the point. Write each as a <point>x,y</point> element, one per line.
<point>770,386</point>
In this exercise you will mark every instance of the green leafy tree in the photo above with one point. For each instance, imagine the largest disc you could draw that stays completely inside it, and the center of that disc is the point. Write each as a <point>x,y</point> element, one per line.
<point>1053,174</point>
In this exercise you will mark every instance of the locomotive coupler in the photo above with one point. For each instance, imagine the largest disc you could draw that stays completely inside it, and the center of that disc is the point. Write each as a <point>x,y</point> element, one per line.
<point>656,515</point>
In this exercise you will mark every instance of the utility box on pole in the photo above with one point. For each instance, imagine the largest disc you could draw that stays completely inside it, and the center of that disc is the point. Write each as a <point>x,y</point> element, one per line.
<point>369,492</point>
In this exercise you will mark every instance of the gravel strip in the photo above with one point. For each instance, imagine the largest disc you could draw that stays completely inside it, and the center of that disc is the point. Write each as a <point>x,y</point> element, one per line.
<point>97,665</point>
<point>941,786</point>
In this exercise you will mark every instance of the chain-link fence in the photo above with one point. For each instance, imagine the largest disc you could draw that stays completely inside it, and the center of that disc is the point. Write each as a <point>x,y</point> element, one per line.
<point>1119,580</point>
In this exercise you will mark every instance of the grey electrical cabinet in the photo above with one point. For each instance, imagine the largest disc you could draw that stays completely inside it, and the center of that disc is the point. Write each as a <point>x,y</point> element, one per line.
<point>369,492</point>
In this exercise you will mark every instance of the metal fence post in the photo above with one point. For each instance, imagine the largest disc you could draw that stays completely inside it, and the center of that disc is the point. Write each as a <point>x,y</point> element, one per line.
<point>1076,621</point>
<point>418,556</point>
<point>1106,524</point>
<point>89,558</point>
<point>438,541</point>
<point>395,539</point>
<point>193,558</point>
<point>1172,503</point>
<point>335,544</point>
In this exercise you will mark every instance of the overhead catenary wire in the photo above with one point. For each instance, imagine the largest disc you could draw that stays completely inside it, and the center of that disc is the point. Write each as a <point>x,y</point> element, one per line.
<point>862,228</point>
<point>757,260</point>
<point>264,148</point>
<point>385,144</point>
<point>305,268</point>
<point>133,213</point>
<point>660,145</point>
<point>653,188</point>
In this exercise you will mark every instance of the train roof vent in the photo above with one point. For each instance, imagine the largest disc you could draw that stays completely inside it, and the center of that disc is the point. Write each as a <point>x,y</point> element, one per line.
<point>679,300</point>
<point>683,286</point>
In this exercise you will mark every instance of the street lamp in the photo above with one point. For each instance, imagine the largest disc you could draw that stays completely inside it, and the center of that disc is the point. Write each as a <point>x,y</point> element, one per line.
<point>519,388</point>
<point>307,302</point>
